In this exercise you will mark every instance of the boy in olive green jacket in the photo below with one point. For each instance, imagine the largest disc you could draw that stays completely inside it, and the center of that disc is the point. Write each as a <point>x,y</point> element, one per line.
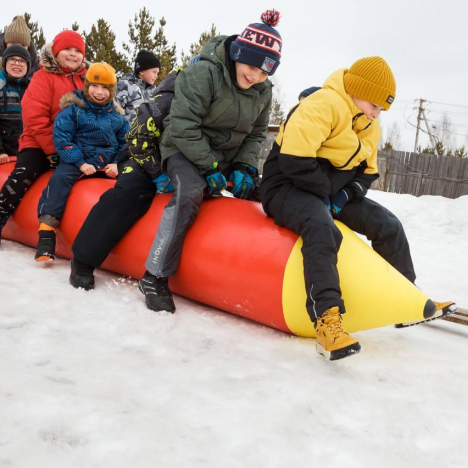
<point>218,121</point>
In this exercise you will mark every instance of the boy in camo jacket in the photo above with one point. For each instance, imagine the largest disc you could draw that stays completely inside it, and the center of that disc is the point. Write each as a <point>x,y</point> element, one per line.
<point>138,87</point>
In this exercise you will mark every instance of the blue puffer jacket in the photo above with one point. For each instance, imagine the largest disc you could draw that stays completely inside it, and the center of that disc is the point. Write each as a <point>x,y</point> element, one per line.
<point>85,132</point>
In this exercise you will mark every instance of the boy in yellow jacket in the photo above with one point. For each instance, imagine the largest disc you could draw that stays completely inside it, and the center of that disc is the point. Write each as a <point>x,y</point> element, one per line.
<point>322,164</point>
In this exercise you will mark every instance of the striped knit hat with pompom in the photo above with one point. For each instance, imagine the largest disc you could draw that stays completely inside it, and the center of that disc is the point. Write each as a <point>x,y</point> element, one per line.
<point>259,44</point>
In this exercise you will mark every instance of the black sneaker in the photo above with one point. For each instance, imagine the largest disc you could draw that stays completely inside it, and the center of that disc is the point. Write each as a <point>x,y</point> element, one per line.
<point>158,296</point>
<point>46,247</point>
<point>81,275</point>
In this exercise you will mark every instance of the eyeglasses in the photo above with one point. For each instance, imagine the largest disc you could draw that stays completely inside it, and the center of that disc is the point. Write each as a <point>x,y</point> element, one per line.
<point>13,61</point>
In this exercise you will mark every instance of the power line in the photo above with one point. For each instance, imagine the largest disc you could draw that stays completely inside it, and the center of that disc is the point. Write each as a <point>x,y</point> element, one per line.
<point>447,104</point>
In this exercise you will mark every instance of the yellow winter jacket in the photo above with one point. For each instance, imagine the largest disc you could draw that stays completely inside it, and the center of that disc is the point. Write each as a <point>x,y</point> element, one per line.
<point>325,144</point>
<point>327,124</point>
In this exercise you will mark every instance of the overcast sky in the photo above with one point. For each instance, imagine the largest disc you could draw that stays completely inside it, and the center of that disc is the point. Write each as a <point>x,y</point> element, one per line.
<point>424,42</point>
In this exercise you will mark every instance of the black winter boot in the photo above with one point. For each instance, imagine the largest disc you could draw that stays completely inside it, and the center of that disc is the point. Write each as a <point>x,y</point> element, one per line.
<point>158,296</point>
<point>81,275</point>
<point>46,247</point>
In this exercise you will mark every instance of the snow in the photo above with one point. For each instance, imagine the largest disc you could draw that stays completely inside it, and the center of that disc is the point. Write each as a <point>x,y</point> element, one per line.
<point>94,379</point>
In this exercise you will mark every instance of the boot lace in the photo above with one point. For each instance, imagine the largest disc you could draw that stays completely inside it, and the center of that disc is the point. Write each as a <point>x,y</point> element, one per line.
<point>333,322</point>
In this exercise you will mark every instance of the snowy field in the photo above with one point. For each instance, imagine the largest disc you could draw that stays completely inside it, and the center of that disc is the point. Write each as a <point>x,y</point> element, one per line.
<point>94,379</point>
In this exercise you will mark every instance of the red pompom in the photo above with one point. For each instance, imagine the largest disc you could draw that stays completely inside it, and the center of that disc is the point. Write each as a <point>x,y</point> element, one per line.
<point>271,17</point>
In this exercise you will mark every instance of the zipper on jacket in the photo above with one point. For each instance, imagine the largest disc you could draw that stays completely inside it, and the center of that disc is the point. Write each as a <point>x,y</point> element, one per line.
<point>356,117</point>
<point>351,158</point>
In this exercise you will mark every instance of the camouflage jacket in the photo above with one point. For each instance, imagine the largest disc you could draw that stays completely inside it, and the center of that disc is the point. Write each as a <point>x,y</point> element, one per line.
<point>146,129</point>
<point>131,92</point>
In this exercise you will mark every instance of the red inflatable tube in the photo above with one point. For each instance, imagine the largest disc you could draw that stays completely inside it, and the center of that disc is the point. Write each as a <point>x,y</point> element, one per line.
<point>233,257</point>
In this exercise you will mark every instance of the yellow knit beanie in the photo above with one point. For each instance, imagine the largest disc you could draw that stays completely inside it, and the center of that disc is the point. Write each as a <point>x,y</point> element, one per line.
<point>17,32</point>
<point>371,79</point>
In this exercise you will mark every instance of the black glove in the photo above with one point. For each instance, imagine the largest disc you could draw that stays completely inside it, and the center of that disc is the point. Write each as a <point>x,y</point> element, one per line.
<point>337,201</point>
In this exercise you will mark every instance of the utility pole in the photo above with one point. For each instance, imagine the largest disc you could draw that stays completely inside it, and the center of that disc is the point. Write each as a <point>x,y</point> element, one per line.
<point>431,137</point>
<point>422,116</point>
<point>420,112</point>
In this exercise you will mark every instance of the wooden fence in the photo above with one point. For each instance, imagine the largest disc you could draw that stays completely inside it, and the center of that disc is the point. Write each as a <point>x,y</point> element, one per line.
<point>411,173</point>
<point>422,174</point>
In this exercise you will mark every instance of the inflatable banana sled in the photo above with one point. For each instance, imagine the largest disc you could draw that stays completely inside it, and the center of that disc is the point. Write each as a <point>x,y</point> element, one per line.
<point>236,259</point>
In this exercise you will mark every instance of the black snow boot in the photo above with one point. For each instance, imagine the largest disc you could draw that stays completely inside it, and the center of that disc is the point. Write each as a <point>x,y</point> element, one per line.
<point>81,275</point>
<point>46,247</point>
<point>158,296</point>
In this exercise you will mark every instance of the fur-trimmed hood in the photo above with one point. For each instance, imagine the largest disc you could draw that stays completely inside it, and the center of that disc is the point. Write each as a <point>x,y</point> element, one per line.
<point>77,98</point>
<point>49,62</point>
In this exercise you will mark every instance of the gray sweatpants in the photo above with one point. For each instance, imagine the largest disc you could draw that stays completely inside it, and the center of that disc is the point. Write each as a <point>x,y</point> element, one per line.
<point>189,185</point>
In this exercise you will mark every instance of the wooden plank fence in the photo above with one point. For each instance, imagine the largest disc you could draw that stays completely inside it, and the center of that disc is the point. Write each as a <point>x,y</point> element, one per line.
<point>422,174</point>
<point>410,173</point>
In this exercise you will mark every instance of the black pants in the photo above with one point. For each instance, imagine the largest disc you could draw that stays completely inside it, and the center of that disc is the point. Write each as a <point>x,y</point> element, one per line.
<point>307,216</point>
<point>114,214</point>
<point>31,163</point>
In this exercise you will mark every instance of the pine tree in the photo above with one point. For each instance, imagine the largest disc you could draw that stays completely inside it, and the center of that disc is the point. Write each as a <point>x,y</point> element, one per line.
<point>392,138</point>
<point>196,47</point>
<point>37,34</point>
<point>75,26</point>
<point>167,54</point>
<point>100,46</point>
<point>441,150</point>
<point>460,152</point>
<point>140,34</point>
<point>444,132</point>
<point>277,113</point>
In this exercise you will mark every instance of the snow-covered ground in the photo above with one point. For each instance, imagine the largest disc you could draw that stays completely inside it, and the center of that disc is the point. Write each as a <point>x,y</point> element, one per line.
<point>94,379</point>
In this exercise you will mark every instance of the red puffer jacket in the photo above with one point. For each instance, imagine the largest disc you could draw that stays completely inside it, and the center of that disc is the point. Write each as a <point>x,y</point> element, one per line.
<point>41,102</point>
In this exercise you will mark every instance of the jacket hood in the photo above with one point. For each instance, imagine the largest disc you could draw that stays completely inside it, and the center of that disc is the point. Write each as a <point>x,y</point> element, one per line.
<point>3,79</point>
<point>49,62</point>
<point>168,83</point>
<point>215,52</point>
<point>78,98</point>
<point>335,82</point>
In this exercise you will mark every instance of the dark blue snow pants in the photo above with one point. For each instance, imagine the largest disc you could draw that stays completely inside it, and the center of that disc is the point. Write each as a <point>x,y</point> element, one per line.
<point>55,195</point>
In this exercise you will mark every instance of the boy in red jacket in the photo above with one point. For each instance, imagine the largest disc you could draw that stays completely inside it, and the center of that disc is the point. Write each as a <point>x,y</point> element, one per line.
<point>62,71</point>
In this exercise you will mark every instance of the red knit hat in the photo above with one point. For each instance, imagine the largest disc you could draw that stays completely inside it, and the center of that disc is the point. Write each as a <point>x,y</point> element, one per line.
<point>66,40</point>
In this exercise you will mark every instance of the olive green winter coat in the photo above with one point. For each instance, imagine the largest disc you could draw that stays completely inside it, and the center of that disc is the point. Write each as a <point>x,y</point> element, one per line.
<point>212,118</point>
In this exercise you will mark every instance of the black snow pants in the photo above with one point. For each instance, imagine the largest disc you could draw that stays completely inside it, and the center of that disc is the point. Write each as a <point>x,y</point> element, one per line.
<point>309,217</point>
<point>114,214</point>
<point>30,164</point>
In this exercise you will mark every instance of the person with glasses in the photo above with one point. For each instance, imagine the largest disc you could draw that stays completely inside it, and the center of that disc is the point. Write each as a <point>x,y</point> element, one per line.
<point>18,33</point>
<point>13,83</point>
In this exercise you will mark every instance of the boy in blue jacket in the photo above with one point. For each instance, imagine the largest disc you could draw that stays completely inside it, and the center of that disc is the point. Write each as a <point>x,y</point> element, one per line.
<point>89,132</point>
